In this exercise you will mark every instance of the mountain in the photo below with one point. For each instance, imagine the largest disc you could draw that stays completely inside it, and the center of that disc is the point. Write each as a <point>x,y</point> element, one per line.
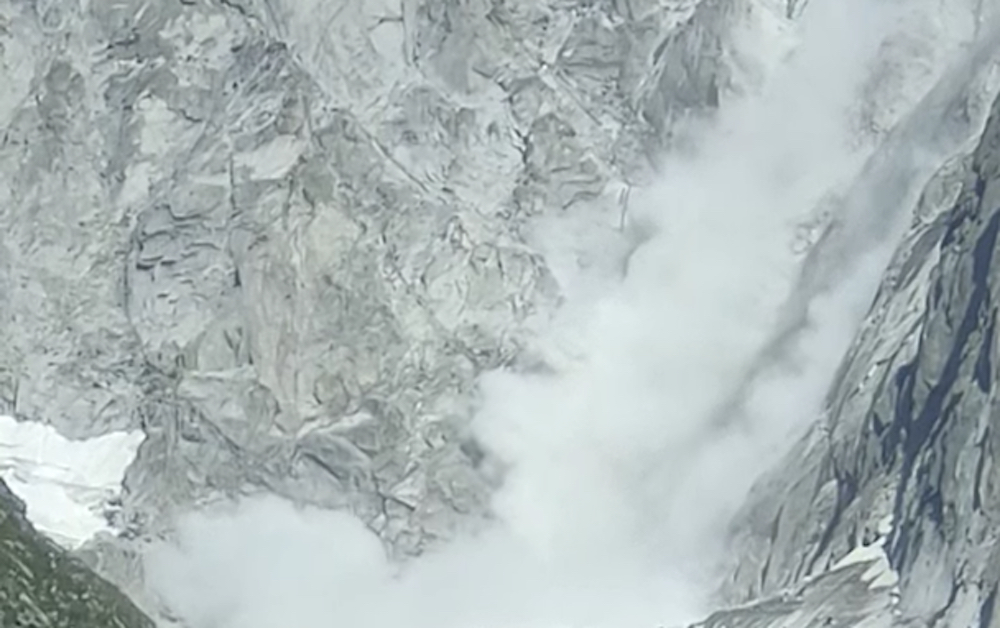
<point>285,239</point>
<point>907,440</point>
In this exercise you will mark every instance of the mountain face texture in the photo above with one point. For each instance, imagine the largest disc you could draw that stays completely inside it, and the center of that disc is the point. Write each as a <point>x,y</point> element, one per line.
<point>904,458</point>
<point>840,597</point>
<point>41,586</point>
<point>284,237</point>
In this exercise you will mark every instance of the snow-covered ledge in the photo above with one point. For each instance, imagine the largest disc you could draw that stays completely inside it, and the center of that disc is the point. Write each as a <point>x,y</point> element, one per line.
<point>65,484</point>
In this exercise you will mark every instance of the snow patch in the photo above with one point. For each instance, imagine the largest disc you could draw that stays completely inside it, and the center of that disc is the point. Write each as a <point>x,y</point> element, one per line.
<point>880,573</point>
<point>64,483</point>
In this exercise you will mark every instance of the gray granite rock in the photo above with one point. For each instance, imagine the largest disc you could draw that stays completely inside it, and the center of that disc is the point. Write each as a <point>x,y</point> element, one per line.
<point>843,597</point>
<point>906,440</point>
<point>283,238</point>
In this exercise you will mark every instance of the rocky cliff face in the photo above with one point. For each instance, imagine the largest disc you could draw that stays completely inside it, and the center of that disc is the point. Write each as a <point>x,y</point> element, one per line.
<point>284,237</point>
<point>904,456</point>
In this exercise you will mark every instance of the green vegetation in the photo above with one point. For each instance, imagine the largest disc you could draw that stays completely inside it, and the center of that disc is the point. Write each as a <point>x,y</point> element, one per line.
<point>41,586</point>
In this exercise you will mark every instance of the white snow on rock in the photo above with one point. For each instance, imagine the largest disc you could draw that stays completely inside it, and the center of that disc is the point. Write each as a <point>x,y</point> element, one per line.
<point>64,483</point>
<point>880,573</point>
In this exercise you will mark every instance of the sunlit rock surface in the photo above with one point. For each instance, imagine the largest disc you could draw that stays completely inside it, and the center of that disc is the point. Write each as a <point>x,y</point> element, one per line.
<point>908,439</point>
<point>846,596</point>
<point>282,238</point>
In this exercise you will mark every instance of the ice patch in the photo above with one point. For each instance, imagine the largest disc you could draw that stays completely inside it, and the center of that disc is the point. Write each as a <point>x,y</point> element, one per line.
<point>64,483</point>
<point>880,573</point>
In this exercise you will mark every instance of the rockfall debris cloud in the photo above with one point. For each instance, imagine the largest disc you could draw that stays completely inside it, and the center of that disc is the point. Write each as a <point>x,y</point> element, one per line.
<point>625,459</point>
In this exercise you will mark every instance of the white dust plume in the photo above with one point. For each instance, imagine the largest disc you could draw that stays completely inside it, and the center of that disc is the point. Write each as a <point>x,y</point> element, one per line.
<point>620,474</point>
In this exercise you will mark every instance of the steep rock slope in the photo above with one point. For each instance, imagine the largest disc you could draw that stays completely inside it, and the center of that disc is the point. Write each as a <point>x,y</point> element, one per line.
<point>41,586</point>
<point>905,455</point>
<point>285,255</point>
<point>846,596</point>
<point>283,238</point>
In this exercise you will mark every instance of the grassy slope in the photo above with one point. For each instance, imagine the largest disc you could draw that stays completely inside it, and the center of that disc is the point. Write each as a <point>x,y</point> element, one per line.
<point>42,586</point>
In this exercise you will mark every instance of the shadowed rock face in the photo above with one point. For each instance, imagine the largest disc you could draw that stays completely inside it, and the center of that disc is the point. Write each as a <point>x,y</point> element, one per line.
<point>910,434</point>
<point>42,586</point>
